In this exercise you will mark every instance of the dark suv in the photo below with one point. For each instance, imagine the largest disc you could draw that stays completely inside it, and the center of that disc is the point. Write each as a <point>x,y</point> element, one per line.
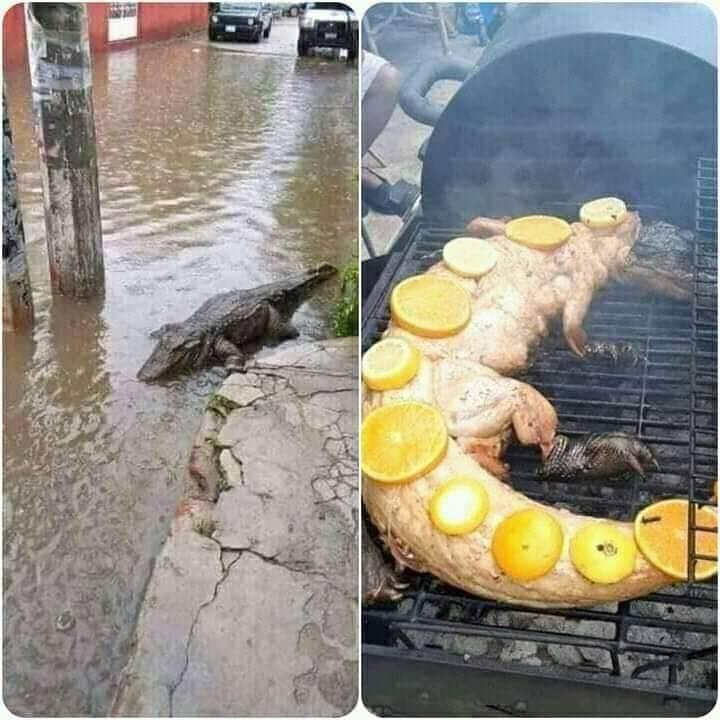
<point>249,21</point>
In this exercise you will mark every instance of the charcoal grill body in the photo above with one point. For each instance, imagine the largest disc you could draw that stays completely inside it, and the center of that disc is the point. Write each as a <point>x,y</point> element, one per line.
<point>430,684</point>
<point>570,103</point>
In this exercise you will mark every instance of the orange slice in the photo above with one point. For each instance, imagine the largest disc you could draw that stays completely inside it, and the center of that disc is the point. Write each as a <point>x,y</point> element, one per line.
<point>541,232</point>
<point>390,364</point>
<point>470,257</point>
<point>402,441</point>
<point>603,212</point>
<point>527,544</point>
<point>603,553</point>
<point>430,306</point>
<point>661,532</point>
<point>459,506</point>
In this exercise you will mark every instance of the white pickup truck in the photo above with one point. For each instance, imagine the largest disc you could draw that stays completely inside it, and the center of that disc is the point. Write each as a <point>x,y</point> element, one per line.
<point>329,25</point>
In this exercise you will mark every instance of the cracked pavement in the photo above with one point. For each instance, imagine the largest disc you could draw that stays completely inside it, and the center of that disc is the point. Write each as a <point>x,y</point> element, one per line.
<point>252,606</point>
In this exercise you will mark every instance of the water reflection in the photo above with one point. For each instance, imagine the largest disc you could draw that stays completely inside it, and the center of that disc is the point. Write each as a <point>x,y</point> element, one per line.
<point>217,171</point>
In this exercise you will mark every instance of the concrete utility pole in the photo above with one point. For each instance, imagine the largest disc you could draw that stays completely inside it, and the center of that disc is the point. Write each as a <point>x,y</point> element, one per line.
<point>59,51</point>
<point>17,294</point>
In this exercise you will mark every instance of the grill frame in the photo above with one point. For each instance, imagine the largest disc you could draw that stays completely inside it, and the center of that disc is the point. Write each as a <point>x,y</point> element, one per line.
<point>683,364</point>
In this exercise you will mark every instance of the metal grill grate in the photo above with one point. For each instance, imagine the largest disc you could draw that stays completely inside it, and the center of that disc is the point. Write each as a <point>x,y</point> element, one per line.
<point>668,639</point>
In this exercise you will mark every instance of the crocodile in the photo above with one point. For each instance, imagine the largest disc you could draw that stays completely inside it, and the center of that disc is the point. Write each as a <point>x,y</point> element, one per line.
<point>224,324</point>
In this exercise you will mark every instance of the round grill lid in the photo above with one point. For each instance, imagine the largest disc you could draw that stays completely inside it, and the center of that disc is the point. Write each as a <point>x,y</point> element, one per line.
<point>572,102</point>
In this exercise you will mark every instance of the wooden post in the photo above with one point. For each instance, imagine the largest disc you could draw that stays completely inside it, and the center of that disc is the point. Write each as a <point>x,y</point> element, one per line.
<point>17,294</point>
<point>59,52</point>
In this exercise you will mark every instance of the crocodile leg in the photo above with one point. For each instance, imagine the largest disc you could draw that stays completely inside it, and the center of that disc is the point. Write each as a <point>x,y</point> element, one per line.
<point>279,329</point>
<point>287,331</point>
<point>380,582</point>
<point>229,353</point>
<point>224,348</point>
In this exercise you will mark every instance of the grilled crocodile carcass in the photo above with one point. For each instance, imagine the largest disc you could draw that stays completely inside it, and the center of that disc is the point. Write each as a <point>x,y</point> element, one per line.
<point>513,306</point>
<point>462,376</point>
<point>225,323</point>
<point>661,261</point>
<point>479,407</point>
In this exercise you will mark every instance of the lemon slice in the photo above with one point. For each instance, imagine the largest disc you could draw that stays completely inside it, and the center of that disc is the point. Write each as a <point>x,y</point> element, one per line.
<point>459,506</point>
<point>470,257</point>
<point>430,306</point>
<point>661,532</point>
<point>401,442</point>
<point>390,364</point>
<point>541,232</point>
<point>603,553</point>
<point>527,544</point>
<point>603,212</point>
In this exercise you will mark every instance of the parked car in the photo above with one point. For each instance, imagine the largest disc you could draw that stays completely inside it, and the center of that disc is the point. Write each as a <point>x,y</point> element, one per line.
<point>248,21</point>
<point>329,25</point>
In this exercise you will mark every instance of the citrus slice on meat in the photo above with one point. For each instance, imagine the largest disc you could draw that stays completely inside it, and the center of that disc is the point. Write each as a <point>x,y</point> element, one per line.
<point>603,212</point>
<point>541,232</point>
<point>661,532</point>
<point>402,441</point>
<point>390,364</point>
<point>458,506</point>
<point>527,544</point>
<point>430,306</point>
<point>470,257</point>
<point>603,553</point>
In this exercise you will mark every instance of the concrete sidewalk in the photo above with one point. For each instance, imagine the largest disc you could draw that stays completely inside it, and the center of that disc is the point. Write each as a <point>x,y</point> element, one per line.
<point>251,609</point>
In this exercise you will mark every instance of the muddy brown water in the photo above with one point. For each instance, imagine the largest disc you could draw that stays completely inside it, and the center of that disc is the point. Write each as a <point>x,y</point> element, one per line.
<point>218,170</point>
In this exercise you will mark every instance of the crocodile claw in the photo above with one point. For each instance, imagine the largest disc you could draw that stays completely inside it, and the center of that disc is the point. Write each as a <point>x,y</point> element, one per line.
<point>381,582</point>
<point>390,590</point>
<point>595,456</point>
<point>618,353</point>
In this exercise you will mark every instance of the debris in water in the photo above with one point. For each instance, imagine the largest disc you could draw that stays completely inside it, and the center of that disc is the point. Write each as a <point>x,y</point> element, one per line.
<point>65,621</point>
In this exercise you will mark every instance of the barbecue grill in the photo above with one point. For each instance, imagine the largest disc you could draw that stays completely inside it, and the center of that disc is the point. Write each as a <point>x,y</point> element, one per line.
<point>440,651</point>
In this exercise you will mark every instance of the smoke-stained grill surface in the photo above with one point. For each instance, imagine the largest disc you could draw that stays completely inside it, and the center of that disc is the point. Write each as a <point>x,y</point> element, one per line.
<point>663,645</point>
<point>575,101</point>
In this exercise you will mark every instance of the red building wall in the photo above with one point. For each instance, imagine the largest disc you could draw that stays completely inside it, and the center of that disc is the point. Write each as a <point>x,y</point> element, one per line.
<point>14,48</point>
<point>156,21</point>
<point>97,26</point>
<point>159,21</point>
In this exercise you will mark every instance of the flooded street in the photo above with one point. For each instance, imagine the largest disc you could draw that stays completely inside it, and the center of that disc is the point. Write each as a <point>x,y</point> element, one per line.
<point>218,170</point>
